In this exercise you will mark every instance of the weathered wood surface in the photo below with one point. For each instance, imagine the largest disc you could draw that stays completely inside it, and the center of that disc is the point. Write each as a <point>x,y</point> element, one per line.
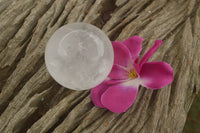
<point>31,101</point>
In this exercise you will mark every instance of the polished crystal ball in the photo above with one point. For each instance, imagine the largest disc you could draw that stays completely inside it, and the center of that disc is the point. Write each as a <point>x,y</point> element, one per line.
<point>79,56</point>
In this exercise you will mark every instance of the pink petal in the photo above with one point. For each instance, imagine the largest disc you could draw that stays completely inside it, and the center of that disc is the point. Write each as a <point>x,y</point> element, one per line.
<point>119,98</point>
<point>115,81</point>
<point>156,74</point>
<point>121,54</point>
<point>136,65</point>
<point>118,72</point>
<point>134,44</point>
<point>150,52</point>
<point>96,93</point>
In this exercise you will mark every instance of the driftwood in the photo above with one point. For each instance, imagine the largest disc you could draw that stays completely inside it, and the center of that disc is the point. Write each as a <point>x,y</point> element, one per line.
<point>31,101</point>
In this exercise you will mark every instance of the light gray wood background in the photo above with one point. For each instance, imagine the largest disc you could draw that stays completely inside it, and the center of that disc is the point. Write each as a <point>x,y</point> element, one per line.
<point>31,101</point>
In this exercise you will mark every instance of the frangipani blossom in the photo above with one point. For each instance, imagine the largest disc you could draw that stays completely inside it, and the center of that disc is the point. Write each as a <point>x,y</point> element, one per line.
<point>118,92</point>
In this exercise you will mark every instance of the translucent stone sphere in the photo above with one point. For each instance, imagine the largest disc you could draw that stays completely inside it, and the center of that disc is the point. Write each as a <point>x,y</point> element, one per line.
<point>79,56</point>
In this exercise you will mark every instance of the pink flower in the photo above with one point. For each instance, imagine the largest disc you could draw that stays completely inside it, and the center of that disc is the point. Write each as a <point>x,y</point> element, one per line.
<point>118,92</point>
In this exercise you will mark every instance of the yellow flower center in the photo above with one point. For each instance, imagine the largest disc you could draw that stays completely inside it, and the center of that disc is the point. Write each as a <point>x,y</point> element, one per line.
<point>132,74</point>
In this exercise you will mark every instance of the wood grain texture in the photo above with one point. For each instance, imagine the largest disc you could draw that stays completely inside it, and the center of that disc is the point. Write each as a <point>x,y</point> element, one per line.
<point>31,101</point>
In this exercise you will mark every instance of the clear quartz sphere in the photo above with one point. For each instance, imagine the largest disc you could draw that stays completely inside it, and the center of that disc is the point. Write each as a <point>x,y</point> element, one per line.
<point>79,56</point>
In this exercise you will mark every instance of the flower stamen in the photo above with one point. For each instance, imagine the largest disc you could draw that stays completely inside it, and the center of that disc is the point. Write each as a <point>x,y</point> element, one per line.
<point>132,74</point>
